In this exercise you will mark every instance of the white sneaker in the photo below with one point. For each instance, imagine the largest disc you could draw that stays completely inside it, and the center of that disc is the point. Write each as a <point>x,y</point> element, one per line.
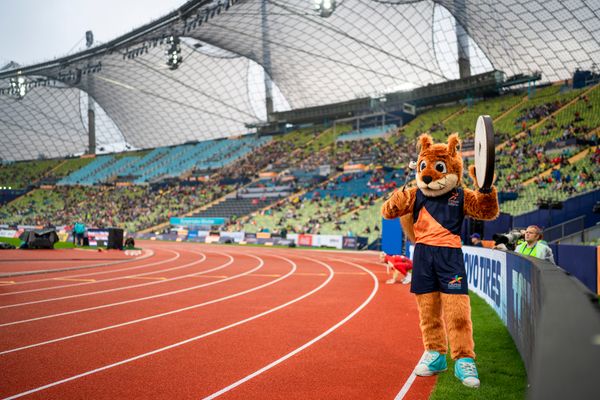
<point>431,363</point>
<point>407,279</point>
<point>390,281</point>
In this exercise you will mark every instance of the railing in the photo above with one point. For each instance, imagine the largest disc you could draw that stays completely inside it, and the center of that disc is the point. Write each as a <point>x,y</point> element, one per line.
<point>567,228</point>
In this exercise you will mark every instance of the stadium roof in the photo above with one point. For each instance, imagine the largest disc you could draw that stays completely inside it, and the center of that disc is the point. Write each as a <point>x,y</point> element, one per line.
<point>364,47</point>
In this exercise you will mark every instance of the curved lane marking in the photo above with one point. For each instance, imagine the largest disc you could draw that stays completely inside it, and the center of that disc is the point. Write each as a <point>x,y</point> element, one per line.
<point>66,269</point>
<point>121,287</point>
<point>141,298</point>
<point>285,276</point>
<point>177,255</point>
<point>174,345</point>
<point>309,343</point>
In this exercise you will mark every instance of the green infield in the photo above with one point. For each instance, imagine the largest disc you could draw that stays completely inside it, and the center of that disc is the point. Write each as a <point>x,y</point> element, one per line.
<point>501,370</point>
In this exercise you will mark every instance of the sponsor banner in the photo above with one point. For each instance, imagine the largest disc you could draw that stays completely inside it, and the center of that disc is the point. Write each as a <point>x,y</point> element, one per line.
<point>305,240</point>
<point>487,276</point>
<point>235,236</point>
<point>196,221</point>
<point>334,241</point>
<point>144,235</point>
<point>523,312</point>
<point>28,227</point>
<point>97,237</point>
<point>8,233</point>
<point>212,239</point>
<point>263,235</point>
<point>291,236</point>
<point>355,167</point>
<point>267,175</point>
<point>349,242</point>
<point>192,234</point>
<point>167,236</point>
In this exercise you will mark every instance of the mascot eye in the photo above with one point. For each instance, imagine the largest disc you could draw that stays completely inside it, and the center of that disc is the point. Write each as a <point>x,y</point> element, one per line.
<point>422,166</point>
<point>440,166</point>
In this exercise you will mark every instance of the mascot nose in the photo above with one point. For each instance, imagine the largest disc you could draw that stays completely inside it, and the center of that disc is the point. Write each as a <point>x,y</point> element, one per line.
<point>427,179</point>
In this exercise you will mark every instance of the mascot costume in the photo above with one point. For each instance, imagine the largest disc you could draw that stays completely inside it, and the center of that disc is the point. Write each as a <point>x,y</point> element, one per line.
<point>431,216</point>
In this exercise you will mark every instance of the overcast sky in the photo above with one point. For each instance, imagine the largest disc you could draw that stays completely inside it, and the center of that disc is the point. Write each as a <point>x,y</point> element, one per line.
<point>32,31</point>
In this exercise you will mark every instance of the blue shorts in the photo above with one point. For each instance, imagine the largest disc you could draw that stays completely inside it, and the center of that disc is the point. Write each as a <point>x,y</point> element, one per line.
<point>438,269</point>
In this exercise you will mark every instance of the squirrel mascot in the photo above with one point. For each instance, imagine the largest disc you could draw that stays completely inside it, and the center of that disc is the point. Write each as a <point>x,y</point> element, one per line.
<point>431,216</point>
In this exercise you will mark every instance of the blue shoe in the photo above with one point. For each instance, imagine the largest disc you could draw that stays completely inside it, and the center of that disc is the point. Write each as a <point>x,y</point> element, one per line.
<point>431,363</point>
<point>466,370</point>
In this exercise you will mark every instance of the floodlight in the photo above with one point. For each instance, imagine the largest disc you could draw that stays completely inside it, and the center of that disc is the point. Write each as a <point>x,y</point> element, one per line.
<point>18,87</point>
<point>174,58</point>
<point>324,7</point>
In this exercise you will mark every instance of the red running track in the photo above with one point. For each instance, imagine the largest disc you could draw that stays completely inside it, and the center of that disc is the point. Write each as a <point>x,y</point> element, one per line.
<point>202,321</point>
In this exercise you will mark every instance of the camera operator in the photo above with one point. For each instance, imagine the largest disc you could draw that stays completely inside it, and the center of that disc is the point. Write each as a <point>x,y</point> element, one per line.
<point>533,245</point>
<point>507,241</point>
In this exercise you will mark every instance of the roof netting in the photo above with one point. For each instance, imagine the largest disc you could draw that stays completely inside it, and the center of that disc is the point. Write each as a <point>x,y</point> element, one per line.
<point>364,47</point>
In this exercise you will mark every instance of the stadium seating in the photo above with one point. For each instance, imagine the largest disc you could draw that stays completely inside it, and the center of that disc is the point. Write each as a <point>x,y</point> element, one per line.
<point>312,160</point>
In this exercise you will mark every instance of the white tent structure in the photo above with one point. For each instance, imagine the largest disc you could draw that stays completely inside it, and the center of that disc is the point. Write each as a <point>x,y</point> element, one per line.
<point>192,75</point>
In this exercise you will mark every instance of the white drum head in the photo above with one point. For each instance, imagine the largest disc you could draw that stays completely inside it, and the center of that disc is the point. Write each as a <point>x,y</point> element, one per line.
<point>485,151</point>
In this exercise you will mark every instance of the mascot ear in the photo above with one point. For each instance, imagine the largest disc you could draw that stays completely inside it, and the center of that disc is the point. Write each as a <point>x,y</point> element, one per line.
<point>453,144</point>
<point>425,141</point>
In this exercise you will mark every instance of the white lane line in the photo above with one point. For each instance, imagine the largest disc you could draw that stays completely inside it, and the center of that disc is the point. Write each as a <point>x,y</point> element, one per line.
<point>177,255</point>
<point>74,279</point>
<point>174,345</point>
<point>261,263</point>
<point>148,254</point>
<point>137,299</point>
<point>309,343</point>
<point>117,288</point>
<point>110,280</point>
<point>408,383</point>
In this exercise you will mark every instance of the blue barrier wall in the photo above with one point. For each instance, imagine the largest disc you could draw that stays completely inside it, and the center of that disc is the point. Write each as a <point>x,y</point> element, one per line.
<point>502,224</point>
<point>391,236</point>
<point>552,318</point>
<point>579,261</point>
<point>572,208</point>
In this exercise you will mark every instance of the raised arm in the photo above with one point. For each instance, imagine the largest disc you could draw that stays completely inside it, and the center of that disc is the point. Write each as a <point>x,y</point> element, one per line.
<point>400,203</point>
<point>480,204</point>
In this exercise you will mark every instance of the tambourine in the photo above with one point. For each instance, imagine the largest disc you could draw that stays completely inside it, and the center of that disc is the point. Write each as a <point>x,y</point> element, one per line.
<point>485,152</point>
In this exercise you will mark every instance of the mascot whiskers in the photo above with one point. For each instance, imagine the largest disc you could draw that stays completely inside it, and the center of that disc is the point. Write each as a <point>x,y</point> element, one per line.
<point>432,215</point>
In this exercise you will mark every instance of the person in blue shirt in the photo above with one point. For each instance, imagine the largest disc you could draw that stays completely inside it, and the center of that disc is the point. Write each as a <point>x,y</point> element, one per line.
<point>79,232</point>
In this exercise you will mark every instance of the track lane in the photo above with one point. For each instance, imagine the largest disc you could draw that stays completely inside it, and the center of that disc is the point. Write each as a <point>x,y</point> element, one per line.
<point>150,297</point>
<point>105,285</point>
<point>181,372</point>
<point>27,262</point>
<point>235,315</point>
<point>369,357</point>
<point>159,315</point>
<point>25,284</point>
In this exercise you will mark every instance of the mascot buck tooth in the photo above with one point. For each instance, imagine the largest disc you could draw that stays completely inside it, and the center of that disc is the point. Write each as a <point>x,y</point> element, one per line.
<point>432,215</point>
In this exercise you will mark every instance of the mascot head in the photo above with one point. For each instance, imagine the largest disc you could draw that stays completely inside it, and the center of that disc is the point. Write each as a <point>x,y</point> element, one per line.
<point>439,167</point>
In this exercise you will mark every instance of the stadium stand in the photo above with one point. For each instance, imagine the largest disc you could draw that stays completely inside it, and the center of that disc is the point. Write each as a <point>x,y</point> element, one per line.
<point>305,169</point>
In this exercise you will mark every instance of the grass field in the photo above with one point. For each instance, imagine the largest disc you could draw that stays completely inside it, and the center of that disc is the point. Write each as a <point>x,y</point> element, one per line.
<point>14,241</point>
<point>58,245</point>
<point>499,364</point>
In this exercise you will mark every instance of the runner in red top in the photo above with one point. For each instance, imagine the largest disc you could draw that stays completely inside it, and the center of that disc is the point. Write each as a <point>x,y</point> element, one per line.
<point>397,264</point>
